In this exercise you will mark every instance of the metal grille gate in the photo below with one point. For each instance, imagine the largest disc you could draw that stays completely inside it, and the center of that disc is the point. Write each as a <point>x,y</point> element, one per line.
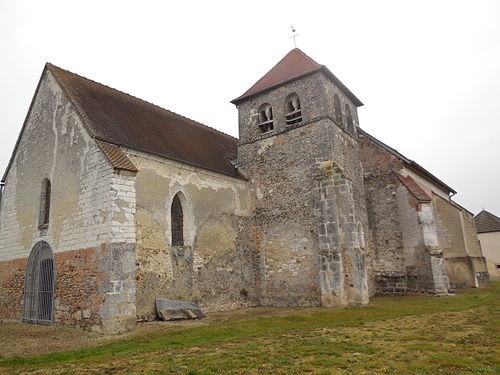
<point>39,285</point>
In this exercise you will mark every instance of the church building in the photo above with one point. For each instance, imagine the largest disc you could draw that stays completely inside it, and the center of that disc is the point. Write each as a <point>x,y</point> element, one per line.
<point>109,202</point>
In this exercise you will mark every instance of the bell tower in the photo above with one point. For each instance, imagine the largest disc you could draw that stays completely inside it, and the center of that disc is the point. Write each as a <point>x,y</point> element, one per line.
<point>299,148</point>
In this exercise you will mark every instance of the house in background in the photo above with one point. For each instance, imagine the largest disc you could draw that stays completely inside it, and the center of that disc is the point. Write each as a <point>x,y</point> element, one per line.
<point>488,231</point>
<point>110,202</point>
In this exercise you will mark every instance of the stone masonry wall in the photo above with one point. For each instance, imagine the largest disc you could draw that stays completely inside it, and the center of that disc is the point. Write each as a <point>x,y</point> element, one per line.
<point>465,262</point>
<point>384,222</point>
<point>425,270</point>
<point>213,268</point>
<point>85,210</point>
<point>408,256</point>
<point>307,224</point>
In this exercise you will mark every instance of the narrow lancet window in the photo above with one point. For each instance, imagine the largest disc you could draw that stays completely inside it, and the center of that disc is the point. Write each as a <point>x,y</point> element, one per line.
<point>177,222</point>
<point>266,123</point>
<point>43,219</point>
<point>338,110</point>
<point>350,124</point>
<point>293,113</point>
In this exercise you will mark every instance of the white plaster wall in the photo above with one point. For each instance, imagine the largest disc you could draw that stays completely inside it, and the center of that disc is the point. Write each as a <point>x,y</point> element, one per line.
<point>490,244</point>
<point>55,145</point>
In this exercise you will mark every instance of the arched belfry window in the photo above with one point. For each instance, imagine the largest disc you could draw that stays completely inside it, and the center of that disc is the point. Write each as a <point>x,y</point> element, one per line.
<point>39,285</point>
<point>177,222</point>
<point>293,112</point>
<point>43,218</point>
<point>338,109</point>
<point>266,122</point>
<point>348,114</point>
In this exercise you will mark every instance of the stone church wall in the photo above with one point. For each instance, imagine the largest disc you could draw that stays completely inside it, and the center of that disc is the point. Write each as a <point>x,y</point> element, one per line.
<point>309,219</point>
<point>90,230</point>
<point>384,223</point>
<point>213,267</point>
<point>465,264</point>
<point>408,256</point>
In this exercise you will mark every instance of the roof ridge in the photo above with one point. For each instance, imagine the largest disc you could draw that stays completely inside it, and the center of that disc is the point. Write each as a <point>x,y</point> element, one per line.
<point>196,123</point>
<point>487,222</point>
<point>255,88</point>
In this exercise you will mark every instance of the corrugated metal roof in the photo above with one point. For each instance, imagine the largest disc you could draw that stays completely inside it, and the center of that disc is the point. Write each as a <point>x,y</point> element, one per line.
<point>487,222</point>
<point>294,65</point>
<point>121,119</point>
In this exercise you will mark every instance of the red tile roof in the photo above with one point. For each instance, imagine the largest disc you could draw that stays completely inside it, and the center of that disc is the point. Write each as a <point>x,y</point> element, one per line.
<point>414,188</point>
<point>116,156</point>
<point>294,65</point>
<point>121,119</point>
<point>487,222</point>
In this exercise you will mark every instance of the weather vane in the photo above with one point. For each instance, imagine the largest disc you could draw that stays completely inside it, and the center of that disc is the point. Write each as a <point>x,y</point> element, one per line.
<point>294,36</point>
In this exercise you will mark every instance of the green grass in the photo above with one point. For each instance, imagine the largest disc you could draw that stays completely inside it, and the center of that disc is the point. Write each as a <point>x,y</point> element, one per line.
<point>392,335</point>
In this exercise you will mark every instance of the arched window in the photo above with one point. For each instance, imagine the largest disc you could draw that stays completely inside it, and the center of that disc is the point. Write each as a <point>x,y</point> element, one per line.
<point>177,222</point>
<point>43,218</point>
<point>338,110</point>
<point>350,124</point>
<point>39,285</point>
<point>266,118</point>
<point>293,113</point>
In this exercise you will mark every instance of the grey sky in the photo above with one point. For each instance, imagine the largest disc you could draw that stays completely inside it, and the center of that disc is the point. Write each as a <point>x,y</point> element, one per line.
<point>428,72</point>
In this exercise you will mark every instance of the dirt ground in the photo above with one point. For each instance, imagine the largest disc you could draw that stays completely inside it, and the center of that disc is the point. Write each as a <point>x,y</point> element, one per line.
<point>25,340</point>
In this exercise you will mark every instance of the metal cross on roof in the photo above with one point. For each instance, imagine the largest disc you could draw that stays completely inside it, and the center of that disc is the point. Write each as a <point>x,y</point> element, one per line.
<point>294,36</point>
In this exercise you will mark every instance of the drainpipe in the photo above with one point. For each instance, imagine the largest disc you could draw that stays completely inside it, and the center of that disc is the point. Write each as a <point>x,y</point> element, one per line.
<point>452,195</point>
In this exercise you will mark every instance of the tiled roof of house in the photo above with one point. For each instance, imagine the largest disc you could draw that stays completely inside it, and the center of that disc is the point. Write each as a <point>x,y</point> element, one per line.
<point>294,65</point>
<point>121,119</point>
<point>487,222</point>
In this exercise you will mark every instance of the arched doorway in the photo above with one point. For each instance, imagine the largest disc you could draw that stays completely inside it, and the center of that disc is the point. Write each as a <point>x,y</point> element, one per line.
<point>39,285</point>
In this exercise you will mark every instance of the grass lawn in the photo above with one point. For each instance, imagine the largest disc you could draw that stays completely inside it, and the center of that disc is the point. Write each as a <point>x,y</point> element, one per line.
<point>392,335</point>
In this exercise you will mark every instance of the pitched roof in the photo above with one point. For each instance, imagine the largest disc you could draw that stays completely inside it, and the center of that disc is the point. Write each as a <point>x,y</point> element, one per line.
<point>116,156</point>
<point>294,65</point>
<point>414,188</point>
<point>121,119</point>
<point>487,222</point>
<point>407,161</point>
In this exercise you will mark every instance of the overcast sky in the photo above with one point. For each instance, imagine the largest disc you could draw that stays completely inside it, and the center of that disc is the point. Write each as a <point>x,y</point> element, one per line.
<point>428,72</point>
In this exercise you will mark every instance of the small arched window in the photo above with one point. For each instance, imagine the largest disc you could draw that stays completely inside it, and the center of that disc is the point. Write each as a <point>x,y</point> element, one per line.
<point>43,218</point>
<point>293,113</point>
<point>348,114</point>
<point>177,222</point>
<point>338,109</point>
<point>266,123</point>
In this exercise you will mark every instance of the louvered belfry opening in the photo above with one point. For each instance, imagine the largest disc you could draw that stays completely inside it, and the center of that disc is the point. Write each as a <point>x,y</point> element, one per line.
<point>177,222</point>
<point>39,285</point>
<point>293,113</point>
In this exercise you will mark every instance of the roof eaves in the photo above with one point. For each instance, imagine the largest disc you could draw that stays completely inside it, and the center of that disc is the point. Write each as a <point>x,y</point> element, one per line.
<point>342,87</point>
<point>236,174</point>
<point>417,167</point>
<point>273,86</point>
<point>116,156</point>
<point>321,68</point>
<point>414,188</point>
